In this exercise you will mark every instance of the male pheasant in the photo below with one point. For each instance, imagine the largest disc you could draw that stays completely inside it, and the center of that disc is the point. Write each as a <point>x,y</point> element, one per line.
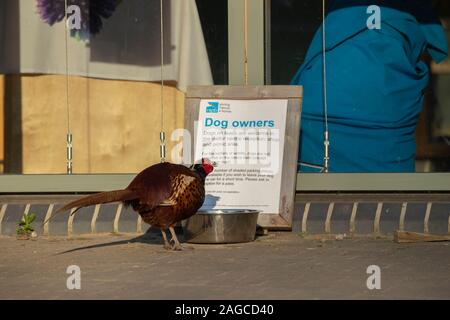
<point>163,194</point>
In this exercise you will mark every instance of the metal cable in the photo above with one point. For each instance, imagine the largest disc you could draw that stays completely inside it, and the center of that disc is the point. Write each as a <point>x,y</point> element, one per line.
<point>67,66</point>
<point>245,42</point>
<point>162,63</point>
<point>325,100</point>
<point>69,133</point>
<point>162,136</point>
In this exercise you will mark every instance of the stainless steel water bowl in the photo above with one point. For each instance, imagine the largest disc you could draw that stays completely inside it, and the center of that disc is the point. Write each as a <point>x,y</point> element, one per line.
<point>221,226</point>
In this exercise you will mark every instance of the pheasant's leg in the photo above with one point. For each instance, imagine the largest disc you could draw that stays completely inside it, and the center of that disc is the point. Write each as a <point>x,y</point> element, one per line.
<point>176,245</point>
<point>167,245</point>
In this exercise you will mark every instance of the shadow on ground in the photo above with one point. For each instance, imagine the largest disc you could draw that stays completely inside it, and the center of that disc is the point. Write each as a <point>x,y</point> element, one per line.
<point>151,236</point>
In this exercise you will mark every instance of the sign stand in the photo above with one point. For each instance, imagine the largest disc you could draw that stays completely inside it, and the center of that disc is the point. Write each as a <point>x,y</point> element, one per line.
<point>292,95</point>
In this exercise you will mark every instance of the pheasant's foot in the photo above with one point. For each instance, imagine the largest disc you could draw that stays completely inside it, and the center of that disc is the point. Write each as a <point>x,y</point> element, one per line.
<point>177,247</point>
<point>167,245</point>
<point>176,244</point>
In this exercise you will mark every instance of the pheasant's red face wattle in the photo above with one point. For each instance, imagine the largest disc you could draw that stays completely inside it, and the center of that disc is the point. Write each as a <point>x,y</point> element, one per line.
<point>207,165</point>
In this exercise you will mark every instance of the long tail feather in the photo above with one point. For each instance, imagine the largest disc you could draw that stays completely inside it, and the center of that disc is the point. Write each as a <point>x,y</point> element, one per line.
<point>97,198</point>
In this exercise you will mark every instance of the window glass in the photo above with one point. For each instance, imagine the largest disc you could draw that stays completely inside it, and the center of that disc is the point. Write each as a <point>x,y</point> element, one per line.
<point>214,19</point>
<point>292,27</point>
<point>101,83</point>
<point>377,82</point>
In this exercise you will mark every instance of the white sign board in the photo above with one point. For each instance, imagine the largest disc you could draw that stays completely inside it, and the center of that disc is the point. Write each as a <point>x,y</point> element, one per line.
<point>246,140</point>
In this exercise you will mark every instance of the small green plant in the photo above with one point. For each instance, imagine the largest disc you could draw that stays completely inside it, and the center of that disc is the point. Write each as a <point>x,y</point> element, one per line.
<point>25,228</point>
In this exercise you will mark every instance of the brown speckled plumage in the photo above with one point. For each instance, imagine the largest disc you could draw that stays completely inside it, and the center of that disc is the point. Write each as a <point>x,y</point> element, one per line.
<point>163,194</point>
<point>163,204</point>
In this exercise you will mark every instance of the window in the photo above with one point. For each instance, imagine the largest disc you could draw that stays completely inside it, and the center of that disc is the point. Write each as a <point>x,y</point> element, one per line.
<point>292,25</point>
<point>112,85</point>
<point>103,84</point>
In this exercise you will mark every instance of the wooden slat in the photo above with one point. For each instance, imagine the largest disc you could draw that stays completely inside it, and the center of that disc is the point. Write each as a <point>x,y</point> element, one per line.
<point>273,222</point>
<point>403,216</point>
<point>117,218</point>
<point>244,92</point>
<point>190,123</point>
<point>94,218</point>
<point>408,237</point>
<point>290,155</point>
<point>376,221</point>
<point>328,218</point>
<point>70,222</point>
<point>352,223</point>
<point>2,214</point>
<point>448,224</point>
<point>427,218</point>
<point>47,217</point>
<point>305,217</point>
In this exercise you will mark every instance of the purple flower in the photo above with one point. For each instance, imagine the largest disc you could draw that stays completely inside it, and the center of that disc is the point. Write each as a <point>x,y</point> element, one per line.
<point>92,13</point>
<point>51,11</point>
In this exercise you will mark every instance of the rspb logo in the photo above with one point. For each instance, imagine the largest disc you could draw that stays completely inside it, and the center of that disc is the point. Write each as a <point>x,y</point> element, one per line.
<point>212,107</point>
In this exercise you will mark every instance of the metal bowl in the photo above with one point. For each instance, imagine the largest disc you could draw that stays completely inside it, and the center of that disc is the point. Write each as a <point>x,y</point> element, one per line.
<point>221,226</point>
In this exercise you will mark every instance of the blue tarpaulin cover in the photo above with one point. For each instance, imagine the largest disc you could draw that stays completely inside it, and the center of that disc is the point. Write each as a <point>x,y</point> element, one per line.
<point>375,80</point>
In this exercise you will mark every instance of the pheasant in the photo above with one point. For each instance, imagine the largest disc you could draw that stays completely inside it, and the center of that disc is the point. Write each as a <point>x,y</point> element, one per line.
<point>163,194</point>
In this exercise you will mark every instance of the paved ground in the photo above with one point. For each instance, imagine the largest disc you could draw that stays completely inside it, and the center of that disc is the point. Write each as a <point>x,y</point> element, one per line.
<point>277,266</point>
